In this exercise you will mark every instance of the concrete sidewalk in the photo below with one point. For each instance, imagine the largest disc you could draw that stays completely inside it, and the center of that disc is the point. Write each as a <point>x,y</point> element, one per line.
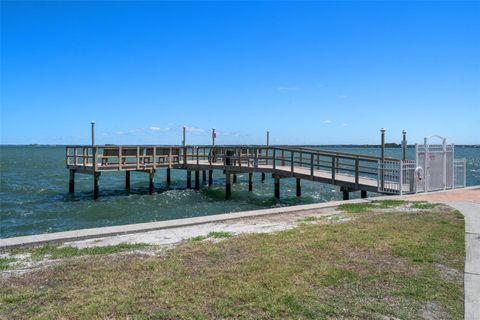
<point>471,211</point>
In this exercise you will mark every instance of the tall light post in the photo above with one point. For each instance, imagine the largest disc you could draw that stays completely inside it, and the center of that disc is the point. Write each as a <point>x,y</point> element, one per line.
<point>184,142</point>
<point>404,145</point>
<point>382,145</point>
<point>93,133</point>
<point>214,136</point>
<point>268,138</point>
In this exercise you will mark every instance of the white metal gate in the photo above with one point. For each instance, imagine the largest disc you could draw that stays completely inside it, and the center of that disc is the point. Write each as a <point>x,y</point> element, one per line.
<point>437,169</point>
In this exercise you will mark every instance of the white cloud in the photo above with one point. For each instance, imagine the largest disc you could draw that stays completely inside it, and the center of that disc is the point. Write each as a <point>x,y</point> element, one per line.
<point>194,129</point>
<point>327,121</point>
<point>155,128</point>
<point>344,124</point>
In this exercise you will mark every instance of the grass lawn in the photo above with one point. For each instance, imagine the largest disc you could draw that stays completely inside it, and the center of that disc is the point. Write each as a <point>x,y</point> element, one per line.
<point>382,263</point>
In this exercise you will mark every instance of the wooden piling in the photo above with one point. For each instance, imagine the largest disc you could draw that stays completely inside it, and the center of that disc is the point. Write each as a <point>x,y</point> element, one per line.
<point>228,186</point>
<point>210,177</point>
<point>169,176</point>
<point>151,176</point>
<point>71,181</point>
<point>96,181</point>
<point>197,180</point>
<point>346,194</point>
<point>234,178</point>
<point>263,177</point>
<point>363,194</point>
<point>277,187</point>
<point>189,179</point>
<point>204,177</point>
<point>127,180</point>
<point>250,181</point>
<point>299,187</point>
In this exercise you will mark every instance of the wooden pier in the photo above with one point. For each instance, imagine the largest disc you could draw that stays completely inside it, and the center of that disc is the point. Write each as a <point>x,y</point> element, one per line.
<point>352,172</point>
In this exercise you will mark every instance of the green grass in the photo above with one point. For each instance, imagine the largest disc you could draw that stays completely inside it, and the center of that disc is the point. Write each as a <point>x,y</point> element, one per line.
<point>219,234</point>
<point>379,264</point>
<point>197,238</point>
<point>367,207</point>
<point>5,263</point>
<point>56,252</point>
<point>423,205</point>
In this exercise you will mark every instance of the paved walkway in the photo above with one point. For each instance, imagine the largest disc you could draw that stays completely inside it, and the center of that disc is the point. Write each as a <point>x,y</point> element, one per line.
<point>468,203</point>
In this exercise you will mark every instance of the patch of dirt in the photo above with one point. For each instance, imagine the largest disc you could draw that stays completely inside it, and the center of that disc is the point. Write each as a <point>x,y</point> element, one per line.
<point>433,311</point>
<point>448,273</point>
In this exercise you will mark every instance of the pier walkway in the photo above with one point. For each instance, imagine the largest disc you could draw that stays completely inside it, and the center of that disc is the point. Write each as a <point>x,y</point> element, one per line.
<point>352,172</point>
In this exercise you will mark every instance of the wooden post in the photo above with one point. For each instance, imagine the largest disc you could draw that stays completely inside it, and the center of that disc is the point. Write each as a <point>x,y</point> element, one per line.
<point>210,177</point>
<point>263,177</point>
<point>197,180</point>
<point>71,181</point>
<point>250,181</point>
<point>345,194</point>
<point>363,194</point>
<point>228,186</point>
<point>333,170</point>
<point>234,178</point>
<point>169,177</point>
<point>96,178</point>
<point>277,186</point>
<point>127,180</point>
<point>404,145</point>
<point>189,179</point>
<point>299,187</point>
<point>151,174</point>
<point>204,177</point>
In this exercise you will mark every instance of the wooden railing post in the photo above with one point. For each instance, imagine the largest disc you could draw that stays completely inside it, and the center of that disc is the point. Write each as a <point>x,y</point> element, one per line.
<point>292,160</point>
<point>198,156</point>
<point>274,165</point>
<point>138,158</point>
<point>120,158</point>
<point>356,173</point>
<point>333,169</point>
<point>283,157</point>
<point>311,164</point>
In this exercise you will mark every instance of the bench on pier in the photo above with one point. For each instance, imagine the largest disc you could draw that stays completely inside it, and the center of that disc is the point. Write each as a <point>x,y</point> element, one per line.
<point>145,155</point>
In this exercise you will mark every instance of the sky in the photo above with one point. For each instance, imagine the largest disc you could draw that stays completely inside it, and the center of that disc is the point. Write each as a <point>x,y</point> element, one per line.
<point>309,72</point>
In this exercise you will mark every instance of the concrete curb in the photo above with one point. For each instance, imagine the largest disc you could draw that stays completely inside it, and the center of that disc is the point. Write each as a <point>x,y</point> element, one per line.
<point>82,234</point>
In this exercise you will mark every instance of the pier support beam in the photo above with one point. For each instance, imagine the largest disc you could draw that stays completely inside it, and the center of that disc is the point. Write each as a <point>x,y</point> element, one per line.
<point>299,187</point>
<point>197,180</point>
<point>250,181</point>
<point>228,186</point>
<point>210,177</point>
<point>204,177</point>
<point>363,194</point>
<point>189,179</point>
<point>169,177</point>
<point>263,177</point>
<point>234,178</point>
<point>71,181</point>
<point>277,186</point>
<point>151,176</point>
<point>96,189</point>
<point>127,180</point>
<point>346,194</point>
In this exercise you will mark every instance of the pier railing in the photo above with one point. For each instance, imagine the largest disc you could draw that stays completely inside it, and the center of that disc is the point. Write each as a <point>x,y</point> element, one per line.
<point>284,161</point>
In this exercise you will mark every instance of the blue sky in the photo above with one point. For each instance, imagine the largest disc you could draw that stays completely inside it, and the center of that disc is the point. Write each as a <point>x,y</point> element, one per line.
<point>310,72</point>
